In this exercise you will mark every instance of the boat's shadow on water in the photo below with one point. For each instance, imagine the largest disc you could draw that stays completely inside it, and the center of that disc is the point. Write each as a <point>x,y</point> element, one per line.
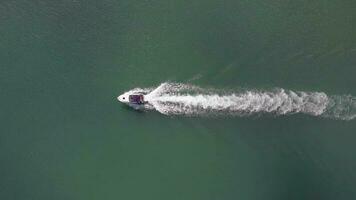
<point>131,109</point>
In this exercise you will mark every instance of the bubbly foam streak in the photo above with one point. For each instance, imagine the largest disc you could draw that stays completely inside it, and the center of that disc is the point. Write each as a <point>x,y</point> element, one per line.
<point>184,99</point>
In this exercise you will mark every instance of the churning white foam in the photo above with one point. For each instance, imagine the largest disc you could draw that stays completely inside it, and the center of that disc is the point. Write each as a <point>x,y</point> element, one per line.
<point>185,99</point>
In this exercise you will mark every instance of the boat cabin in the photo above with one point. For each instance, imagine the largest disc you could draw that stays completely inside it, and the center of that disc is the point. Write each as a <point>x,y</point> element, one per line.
<point>136,99</point>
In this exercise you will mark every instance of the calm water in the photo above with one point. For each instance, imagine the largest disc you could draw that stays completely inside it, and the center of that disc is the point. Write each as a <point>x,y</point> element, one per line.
<point>63,134</point>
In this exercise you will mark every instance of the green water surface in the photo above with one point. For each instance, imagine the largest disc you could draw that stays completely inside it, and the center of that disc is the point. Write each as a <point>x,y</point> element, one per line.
<point>64,136</point>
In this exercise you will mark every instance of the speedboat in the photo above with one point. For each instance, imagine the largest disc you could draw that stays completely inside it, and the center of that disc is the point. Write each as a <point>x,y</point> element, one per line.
<point>132,99</point>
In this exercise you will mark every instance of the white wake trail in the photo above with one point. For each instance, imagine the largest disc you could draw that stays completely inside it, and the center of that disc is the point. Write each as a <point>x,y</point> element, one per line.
<point>184,99</point>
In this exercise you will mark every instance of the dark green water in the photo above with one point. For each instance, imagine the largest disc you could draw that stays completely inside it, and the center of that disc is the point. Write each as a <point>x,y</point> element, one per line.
<point>63,135</point>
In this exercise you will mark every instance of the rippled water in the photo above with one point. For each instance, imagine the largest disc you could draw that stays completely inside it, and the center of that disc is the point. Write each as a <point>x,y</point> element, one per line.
<point>64,135</point>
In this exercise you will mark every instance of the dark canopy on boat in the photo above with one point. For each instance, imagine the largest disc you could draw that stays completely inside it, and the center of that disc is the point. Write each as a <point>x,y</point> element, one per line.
<point>136,98</point>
